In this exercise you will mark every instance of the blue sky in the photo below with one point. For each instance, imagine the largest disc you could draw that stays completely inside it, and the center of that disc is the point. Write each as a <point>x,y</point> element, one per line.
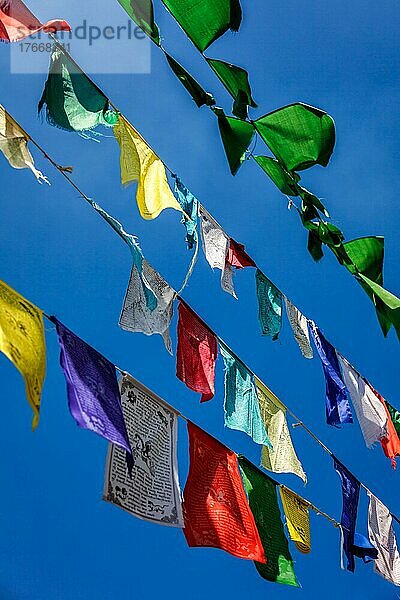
<point>58,539</point>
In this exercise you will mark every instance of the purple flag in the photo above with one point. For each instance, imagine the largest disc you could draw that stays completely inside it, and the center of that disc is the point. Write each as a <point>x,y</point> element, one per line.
<point>92,388</point>
<point>338,409</point>
<point>350,494</point>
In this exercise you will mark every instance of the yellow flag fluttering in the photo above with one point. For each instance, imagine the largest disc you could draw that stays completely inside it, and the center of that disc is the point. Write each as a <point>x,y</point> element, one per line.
<point>282,458</point>
<point>14,145</point>
<point>22,341</point>
<point>139,163</point>
<point>297,519</point>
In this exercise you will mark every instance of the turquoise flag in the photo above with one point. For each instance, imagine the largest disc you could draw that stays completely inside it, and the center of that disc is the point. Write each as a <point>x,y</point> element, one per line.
<point>241,407</point>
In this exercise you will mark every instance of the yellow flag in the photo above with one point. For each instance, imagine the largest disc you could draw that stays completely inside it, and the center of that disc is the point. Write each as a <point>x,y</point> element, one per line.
<point>282,458</point>
<point>139,163</point>
<point>22,341</point>
<point>297,519</point>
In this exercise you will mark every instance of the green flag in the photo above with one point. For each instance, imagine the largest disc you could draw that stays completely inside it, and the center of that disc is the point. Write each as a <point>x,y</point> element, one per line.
<point>299,135</point>
<point>236,137</point>
<point>286,182</point>
<point>395,416</point>
<point>72,101</point>
<point>263,500</point>
<point>366,255</point>
<point>204,21</point>
<point>199,95</point>
<point>236,81</point>
<point>142,12</point>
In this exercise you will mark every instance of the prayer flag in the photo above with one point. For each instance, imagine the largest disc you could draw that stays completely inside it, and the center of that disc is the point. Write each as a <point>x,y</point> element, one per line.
<point>236,137</point>
<point>22,341</point>
<point>299,135</point>
<point>137,315</point>
<point>190,206</point>
<point>263,500</point>
<point>14,145</point>
<point>269,306</point>
<point>92,388</point>
<point>17,22</point>
<point>337,405</point>
<point>391,442</point>
<point>299,325</point>
<point>350,495</point>
<point>382,536</point>
<point>204,21</point>
<point>241,405</point>
<point>196,354</point>
<point>282,457</point>
<point>139,163</point>
<point>216,510</point>
<point>142,13</point>
<point>146,483</point>
<point>236,81</point>
<point>72,101</point>
<point>199,95</point>
<point>297,519</point>
<point>369,410</point>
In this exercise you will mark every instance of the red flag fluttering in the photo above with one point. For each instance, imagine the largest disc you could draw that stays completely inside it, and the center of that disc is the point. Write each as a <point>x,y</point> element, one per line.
<point>216,510</point>
<point>196,353</point>
<point>17,22</point>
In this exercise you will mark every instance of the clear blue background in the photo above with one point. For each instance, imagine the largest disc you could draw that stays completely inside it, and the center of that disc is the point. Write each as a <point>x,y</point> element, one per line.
<point>58,540</point>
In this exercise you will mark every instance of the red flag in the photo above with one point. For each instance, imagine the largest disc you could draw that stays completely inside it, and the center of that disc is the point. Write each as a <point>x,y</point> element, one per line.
<point>237,256</point>
<point>391,443</point>
<point>196,353</point>
<point>216,510</point>
<point>17,22</point>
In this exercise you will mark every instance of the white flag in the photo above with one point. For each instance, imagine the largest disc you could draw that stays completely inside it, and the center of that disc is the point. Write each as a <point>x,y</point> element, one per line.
<point>370,411</point>
<point>382,537</point>
<point>146,483</point>
<point>298,323</point>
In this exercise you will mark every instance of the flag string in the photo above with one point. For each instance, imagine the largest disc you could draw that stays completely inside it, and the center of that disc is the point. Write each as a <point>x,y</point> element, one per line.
<point>299,422</point>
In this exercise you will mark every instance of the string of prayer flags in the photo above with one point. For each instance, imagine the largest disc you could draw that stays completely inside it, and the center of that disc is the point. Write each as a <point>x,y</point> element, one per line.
<point>70,100</point>
<point>22,341</point>
<point>337,405</point>
<point>190,207</point>
<point>236,137</point>
<point>370,412</point>
<point>204,21</point>
<point>139,163</point>
<point>263,500</point>
<point>241,404</point>
<point>282,457</point>
<point>297,519</point>
<point>146,483</point>
<point>136,315</point>
<point>216,510</point>
<point>299,135</point>
<point>196,353</point>
<point>17,22</point>
<point>198,94</point>
<point>299,325</point>
<point>236,81</point>
<point>269,306</point>
<point>14,145</point>
<point>92,388</point>
<point>142,13</point>
<point>382,536</point>
<point>391,442</point>
<point>350,495</point>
